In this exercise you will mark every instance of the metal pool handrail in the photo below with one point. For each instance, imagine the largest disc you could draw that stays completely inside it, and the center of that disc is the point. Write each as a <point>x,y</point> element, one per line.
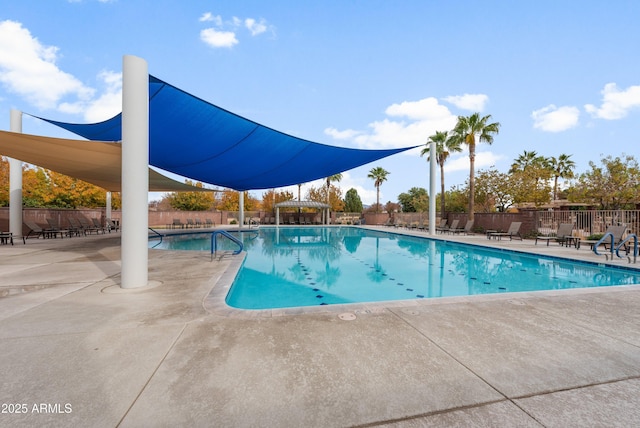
<point>214,242</point>
<point>604,237</point>
<point>157,233</point>
<point>635,246</point>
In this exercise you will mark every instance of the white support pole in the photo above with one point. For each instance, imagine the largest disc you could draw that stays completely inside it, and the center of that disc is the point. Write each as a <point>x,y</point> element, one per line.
<point>277,216</point>
<point>15,182</point>
<point>241,212</point>
<point>135,175</point>
<point>108,211</point>
<point>432,188</point>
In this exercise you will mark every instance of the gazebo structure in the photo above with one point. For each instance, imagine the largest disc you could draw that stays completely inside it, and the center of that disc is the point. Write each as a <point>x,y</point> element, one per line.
<point>303,204</point>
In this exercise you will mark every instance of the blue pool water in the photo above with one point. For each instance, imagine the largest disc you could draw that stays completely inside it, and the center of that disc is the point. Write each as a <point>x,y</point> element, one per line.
<point>289,267</point>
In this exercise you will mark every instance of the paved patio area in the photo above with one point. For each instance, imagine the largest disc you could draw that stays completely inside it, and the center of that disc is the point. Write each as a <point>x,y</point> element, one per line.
<point>76,350</point>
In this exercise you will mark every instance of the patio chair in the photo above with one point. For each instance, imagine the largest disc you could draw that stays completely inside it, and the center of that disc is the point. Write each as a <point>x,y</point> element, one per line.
<point>55,229</point>
<point>466,229</point>
<point>177,224</point>
<point>113,225</point>
<point>453,226</point>
<point>34,230</point>
<point>6,238</point>
<point>513,232</point>
<point>75,227</point>
<point>198,223</point>
<point>442,227</point>
<point>88,227</point>
<point>190,223</point>
<point>563,235</point>
<point>209,223</point>
<point>618,235</point>
<point>99,225</point>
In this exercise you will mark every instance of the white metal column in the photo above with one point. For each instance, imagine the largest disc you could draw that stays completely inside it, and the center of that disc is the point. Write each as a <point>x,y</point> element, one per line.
<point>241,211</point>
<point>432,188</point>
<point>15,182</point>
<point>135,175</point>
<point>108,209</point>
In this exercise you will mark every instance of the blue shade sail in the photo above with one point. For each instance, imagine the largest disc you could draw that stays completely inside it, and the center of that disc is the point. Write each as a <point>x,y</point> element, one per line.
<point>198,140</point>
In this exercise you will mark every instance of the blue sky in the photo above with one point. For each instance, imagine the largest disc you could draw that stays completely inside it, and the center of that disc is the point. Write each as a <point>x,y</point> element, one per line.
<point>560,76</point>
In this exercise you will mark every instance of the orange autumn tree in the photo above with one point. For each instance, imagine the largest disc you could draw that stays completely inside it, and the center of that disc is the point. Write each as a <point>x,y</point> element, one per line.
<point>230,201</point>
<point>45,188</point>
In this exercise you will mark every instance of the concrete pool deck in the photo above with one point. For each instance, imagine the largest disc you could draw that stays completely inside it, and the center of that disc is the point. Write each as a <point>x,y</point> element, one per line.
<point>78,351</point>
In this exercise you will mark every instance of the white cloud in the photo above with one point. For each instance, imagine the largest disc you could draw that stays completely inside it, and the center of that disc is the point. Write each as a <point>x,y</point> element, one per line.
<point>209,17</point>
<point>341,135</point>
<point>555,119</point>
<point>423,118</point>
<point>461,161</point>
<point>29,69</point>
<point>255,27</point>
<point>616,103</point>
<point>471,102</point>
<point>218,39</point>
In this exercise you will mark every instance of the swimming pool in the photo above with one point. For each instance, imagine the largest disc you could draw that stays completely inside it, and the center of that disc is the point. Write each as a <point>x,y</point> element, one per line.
<point>310,266</point>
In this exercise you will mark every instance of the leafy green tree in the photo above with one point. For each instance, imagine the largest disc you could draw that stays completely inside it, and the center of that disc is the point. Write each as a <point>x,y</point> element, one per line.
<point>457,199</point>
<point>614,185</point>
<point>379,176</point>
<point>563,168</point>
<point>415,200</point>
<point>493,191</point>
<point>445,145</point>
<point>352,202</point>
<point>191,201</point>
<point>468,130</point>
<point>531,185</point>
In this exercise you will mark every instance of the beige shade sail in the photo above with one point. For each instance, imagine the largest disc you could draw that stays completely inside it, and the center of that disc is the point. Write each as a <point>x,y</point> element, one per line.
<point>96,162</point>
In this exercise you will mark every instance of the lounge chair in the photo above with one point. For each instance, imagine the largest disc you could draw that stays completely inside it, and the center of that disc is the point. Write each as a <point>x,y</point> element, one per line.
<point>75,227</point>
<point>6,238</point>
<point>453,226</point>
<point>55,229</point>
<point>113,225</point>
<point>99,225</point>
<point>563,235</point>
<point>35,230</point>
<point>466,229</point>
<point>209,223</point>
<point>442,227</point>
<point>177,224</point>
<point>192,224</point>
<point>198,223</point>
<point>88,227</point>
<point>513,232</point>
<point>618,235</point>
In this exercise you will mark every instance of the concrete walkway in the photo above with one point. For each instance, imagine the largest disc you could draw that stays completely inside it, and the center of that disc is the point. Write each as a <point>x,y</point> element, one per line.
<point>75,350</point>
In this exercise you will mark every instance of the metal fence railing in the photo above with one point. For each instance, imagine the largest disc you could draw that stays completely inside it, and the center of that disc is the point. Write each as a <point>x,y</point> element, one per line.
<point>588,222</point>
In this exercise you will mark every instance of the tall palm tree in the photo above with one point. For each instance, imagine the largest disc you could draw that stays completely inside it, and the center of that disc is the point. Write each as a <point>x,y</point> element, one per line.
<point>466,131</point>
<point>378,175</point>
<point>445,145</point>
<point>332,178</point>
<point>562,168</point>
<point>526,160</point>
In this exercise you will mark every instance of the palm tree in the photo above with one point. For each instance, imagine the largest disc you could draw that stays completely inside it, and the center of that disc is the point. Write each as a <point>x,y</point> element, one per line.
<point>562,168</point>
<point>466,131</point>
<point>445,145</point>
<point>379,175</point>
<point>336,178</point>
<point>526,160</point>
